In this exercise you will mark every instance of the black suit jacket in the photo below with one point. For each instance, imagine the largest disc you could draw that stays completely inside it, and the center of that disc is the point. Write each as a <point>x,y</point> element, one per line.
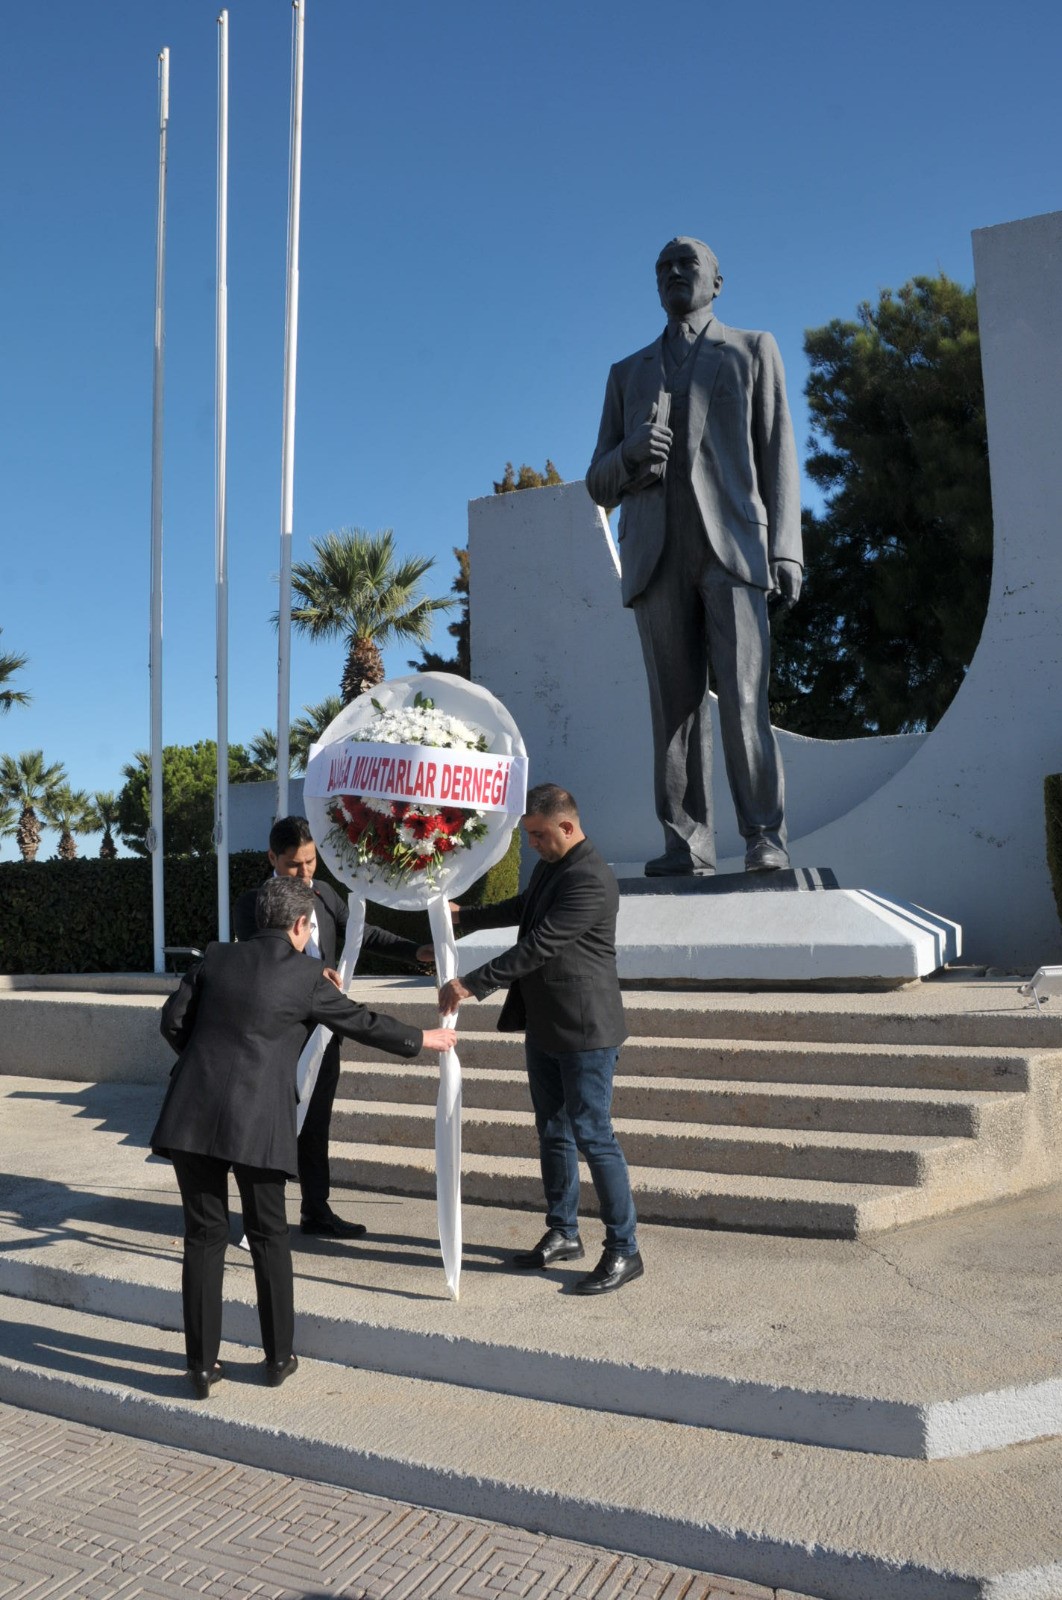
<point>561,973</point>
<point>240,1020</point>
<point>332,917</point>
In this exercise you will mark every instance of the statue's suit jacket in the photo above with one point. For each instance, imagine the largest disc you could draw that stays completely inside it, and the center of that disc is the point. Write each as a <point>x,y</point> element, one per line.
<point>742,455</point>
<point>561,973</point>
<point>240,1019</point>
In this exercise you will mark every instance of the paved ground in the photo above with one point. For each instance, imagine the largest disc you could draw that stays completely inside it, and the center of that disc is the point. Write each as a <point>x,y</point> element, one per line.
<point>88,1515</point>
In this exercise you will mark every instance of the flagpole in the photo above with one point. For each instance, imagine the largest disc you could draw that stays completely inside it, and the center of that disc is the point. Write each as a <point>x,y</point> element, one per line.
<point>221,552</point>
<point>154,833</point>
<point>287,466</point>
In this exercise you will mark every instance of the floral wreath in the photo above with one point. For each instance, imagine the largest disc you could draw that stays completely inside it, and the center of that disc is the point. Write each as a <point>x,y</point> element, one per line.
<point>402,841</point>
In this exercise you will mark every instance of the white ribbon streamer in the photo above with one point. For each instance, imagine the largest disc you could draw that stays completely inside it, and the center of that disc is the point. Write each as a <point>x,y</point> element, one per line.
<point>448,1107</point>
<point>316,1045</point>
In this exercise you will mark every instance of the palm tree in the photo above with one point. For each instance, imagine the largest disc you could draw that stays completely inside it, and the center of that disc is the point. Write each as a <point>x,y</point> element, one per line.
<point>104,815</point>
<point>27,782</point>
<point>355,589</point>
<point>8,666</point>
<point>261,765</point>
<point>8,821</point>
<point>70,811</point>
<point>307,729</point>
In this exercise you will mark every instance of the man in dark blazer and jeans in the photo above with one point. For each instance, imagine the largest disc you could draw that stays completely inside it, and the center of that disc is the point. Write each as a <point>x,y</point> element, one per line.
<point>240,1020</point>
<point>293,854</point>
<point>564,993</point>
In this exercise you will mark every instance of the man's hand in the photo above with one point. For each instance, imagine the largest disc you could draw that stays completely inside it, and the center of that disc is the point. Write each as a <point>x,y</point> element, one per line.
<point>787,580</point>
<point>426,957</point>
<point>648,443</point>
<point>333,977</point>
<point>439,1039</point>
<point>451,994</point>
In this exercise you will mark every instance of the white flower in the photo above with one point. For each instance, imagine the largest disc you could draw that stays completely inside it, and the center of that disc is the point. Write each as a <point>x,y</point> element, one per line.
<point>418,725</point>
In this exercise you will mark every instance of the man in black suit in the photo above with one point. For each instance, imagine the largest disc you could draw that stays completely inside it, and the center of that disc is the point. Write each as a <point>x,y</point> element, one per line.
<point>565,995</point>
<point>293,854</point>
<point>240,1020</point>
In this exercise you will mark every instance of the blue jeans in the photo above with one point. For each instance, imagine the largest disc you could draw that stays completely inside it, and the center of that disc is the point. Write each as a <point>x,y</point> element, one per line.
<point>572,1097</point>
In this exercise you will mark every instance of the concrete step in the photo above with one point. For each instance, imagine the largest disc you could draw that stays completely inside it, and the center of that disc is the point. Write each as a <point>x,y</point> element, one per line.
<point>833,1523</point>
<point>808,1208</point>
<point>747,1060</point>
<point>840,1108</point>
<point>989,1015</point>
<point>830,1157</point>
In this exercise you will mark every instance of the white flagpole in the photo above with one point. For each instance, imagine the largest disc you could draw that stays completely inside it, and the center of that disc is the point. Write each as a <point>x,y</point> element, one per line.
<point>221,552</point>
<point>154,833</point>
<point>287,466</point>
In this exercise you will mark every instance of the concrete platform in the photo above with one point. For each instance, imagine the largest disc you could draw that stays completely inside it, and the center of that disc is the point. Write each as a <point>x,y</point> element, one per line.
<point>763,928</point>
<point>944,1340</point>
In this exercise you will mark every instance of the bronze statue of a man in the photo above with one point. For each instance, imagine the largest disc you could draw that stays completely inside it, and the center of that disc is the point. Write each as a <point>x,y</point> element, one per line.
<point>696,447</point>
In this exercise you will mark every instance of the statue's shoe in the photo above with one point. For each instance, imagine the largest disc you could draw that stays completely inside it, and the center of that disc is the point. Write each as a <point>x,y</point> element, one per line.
<point>764,856</point>
<point>677,864</point>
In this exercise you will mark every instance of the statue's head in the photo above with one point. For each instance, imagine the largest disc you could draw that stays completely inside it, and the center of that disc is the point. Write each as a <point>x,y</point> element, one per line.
<point>687,276</point>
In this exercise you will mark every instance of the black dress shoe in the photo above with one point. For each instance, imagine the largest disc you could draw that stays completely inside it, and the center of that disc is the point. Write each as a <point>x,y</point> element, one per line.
<point>203,1382</point>
<point>277,1371</point>
<point>334,1227</point>
<point>553,1246</point>
<point>611,1272</point>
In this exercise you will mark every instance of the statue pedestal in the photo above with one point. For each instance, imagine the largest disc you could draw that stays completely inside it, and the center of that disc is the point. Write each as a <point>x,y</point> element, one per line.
<point>769,930</point>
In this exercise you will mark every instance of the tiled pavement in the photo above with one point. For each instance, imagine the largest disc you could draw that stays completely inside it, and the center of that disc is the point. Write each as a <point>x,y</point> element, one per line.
<point>98,1516</point>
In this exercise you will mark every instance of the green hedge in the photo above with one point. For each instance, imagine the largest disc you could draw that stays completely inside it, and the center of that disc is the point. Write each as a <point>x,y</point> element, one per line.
<point>96,916</point>
<point>1053,817</point>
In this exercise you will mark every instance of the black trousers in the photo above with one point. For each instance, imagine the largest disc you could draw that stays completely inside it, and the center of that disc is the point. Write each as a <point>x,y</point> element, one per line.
<point>314,1172</point>
<point>204,1186</point>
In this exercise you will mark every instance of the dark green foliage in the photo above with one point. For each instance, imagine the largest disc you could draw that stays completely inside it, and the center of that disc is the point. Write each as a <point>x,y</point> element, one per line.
<point>96,916</point>
<point>189,778</point>
<point>898,567</point>
<point>1053,817</point>
<point>502,881</point>
<point>9,665</point>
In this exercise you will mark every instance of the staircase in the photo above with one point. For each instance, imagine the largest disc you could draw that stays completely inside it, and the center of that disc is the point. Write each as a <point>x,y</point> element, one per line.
<point>829,1122</point>
<point>855,1417</point>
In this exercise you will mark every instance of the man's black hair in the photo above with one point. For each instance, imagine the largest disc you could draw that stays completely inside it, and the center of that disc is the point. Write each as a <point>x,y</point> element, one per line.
<point>289,833</point>
<point>550,800</point>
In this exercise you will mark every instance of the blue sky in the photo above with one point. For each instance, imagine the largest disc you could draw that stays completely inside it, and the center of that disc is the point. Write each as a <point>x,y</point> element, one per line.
<point>485,188</point>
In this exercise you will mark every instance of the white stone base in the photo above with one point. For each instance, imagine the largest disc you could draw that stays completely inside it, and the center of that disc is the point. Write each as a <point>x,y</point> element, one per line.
<point>849,937</point>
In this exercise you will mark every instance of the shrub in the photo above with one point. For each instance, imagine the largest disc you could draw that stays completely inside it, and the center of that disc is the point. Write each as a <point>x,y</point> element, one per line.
<point>96,916</point>
<point>1053,817</point>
